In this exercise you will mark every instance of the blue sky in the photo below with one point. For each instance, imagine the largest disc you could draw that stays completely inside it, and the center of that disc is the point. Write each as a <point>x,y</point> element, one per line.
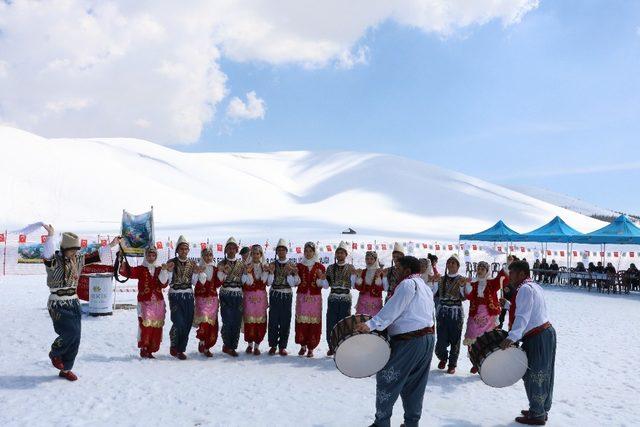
<point>552,101</point>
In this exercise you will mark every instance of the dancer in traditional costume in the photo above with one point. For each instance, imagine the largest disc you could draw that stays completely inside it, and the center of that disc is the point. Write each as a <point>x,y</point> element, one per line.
<point>428,275</point>
<point>206,303</point>
<point>369,284</point>
<point>63,269</point>
<point>531,326</point>
<point>341,277</point>
<point>151,306</point>
<point>484,306</point>
<point>179,272</point>
<point>232,272</point>
<point>391,275</point>
<point>450,315</point>
<point>309,301</point>
<point>283,275</point>
<point>255,301</point>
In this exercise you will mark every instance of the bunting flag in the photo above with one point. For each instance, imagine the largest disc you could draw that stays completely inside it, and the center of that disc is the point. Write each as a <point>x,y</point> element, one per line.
<point>43,238</point>
<point>298,250</point>
<point>384,246</point>
<point>2,240</point>
<point>219,247</point>
<point>632,254</point>
<point>22,238</point>
<point>103,242</point>
<point>83,243</point>
<point>158,245</point>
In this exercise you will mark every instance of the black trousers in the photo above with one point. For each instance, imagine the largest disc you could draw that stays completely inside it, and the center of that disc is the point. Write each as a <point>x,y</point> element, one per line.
<point>279,318</point>
<point>181,305</point>
<point>66,322</point>
<point>231,313</point>
<point>337,309</point>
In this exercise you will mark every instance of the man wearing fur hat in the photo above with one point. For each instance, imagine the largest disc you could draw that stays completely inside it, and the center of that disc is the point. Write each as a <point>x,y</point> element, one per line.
<point>151,306</point>
<point>450,315</point>
<point>232,273</point>
<point>283,275</point>
<point>181,275</point>
<point>63,269</point>
<point>309,300</point>
<point>391,275</point>
<point>341,277</point>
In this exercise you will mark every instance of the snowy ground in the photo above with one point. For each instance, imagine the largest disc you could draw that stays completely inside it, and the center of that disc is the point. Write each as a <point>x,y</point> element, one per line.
<point>596,375</point>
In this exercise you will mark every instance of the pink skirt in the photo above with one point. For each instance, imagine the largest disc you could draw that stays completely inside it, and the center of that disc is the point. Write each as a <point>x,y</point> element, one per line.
<point>479,324</point>
<point>308,308</point>
<point>206,311</point>
<point>255,306</point>
<point>152,312</point>
<point>368,305</point>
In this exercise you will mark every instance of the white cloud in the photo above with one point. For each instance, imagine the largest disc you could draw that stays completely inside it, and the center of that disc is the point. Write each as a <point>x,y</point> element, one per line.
<point>253,109</point>
<point>87,68</point>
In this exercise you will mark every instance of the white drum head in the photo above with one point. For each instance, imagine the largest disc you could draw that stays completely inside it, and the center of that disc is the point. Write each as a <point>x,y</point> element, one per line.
<point>362,355</point>
<point>504,368</point>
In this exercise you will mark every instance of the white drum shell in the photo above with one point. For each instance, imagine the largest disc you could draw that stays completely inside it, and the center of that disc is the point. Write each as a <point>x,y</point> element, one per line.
<point>504,368</point>
<point>362,355</point>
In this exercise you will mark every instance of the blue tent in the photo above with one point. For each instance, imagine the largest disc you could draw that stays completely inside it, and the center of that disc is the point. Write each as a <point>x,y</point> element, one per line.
<point>498,233</point>
<point>621,231</point>
<point>556,231</point>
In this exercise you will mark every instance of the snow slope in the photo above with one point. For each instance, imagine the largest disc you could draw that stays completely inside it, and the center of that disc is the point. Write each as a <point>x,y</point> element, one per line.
<point>83,184</point>
<point>596,383</point>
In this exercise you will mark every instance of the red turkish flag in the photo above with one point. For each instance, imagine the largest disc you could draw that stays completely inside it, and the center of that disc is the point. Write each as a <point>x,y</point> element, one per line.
<point>522,249</point>
<point>219,247</point>
<point>369,246</point>
<point>22,238</point>
<point>2,238</point>
<point>499,248</point>
<point>548,253</point>
<point>425,246</point>
<point>43,238</point>
<point>561,253</point>
<point>298,250</point>
<point>632,254</point>
<point>474,247</point>
<point>384,246</point>
<point>354,246</point>
<point>615,254</point>
<point>575,253</point>
<point>511,248</point>
<point>437,247</point>
<point>587,253</point>
<point>158,245</point>
<point>103,242</point>
<point>329,248</point>
<point>450,247</point>
<point>203,245</point>
<point>601,254</point>
<point>83,243</point>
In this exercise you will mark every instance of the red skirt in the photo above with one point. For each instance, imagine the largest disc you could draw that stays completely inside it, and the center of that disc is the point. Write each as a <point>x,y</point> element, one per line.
<point>208,333</point>
<point>149,338</point>
<point>308,334</point>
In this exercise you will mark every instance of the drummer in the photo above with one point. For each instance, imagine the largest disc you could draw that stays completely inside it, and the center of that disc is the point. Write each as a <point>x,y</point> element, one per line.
<point>531,325</point>
<point>408,318</point>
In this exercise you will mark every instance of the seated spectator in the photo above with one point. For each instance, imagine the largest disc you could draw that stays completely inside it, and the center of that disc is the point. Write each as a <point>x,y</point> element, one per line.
<point>610,269</point>
<point>554,270</point>
<point>599,268</point>
<point>576,281</point>
<point>632,277</point>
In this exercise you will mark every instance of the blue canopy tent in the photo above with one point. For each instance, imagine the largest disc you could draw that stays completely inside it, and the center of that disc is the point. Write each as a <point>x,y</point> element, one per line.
<point>555,231</point>
<point>498,233</point>
<point>621,231</point>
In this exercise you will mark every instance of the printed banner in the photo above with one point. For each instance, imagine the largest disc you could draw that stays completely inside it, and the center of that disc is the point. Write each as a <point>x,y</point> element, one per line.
<point>30,253</point>
<point>137,233</point>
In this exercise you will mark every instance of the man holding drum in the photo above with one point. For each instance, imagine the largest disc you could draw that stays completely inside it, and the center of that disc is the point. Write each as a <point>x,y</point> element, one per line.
<point>408,319</point>
<point>531,325</point>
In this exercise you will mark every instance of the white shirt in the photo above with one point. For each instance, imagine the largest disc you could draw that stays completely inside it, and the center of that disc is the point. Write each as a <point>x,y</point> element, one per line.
<point>531,310</point>
<point>409,309</point>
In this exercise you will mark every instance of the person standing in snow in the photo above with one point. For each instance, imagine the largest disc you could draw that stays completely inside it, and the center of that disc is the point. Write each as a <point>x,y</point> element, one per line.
<point>283,276</point>
<point>484,306</point>
<point>255,301</point>
<point>341,277</point>
<point>531,326</point>
<point>309,300</point>
<point>206,302</point>
<point>390,276</point>
<point>180,273</point>
<point>151,306</point>
<point>408,319</point>
<point>369,285</point>
<point>232,272</point>
<point>63,269</point>
<point>450,315</point>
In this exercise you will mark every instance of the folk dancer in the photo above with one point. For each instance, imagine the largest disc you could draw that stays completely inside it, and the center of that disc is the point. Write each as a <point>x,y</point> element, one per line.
<point>255,301</point>
<point>341,277</point>
<point>369,285</point>
<point>531,326</point>
<point>232,273</point>
<point>450,315</point>
<point>484,306</point>
<point>206,302</point>
<point>391,276</point>
<point>283,275</point>
<point>151,306</point>
<point>179,272</point>
<point>63,269</point>
<point>408,319</point>
<point>309,301</point>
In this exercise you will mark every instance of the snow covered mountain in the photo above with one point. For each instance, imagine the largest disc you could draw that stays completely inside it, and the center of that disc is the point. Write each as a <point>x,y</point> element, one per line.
<point>83,184</point>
